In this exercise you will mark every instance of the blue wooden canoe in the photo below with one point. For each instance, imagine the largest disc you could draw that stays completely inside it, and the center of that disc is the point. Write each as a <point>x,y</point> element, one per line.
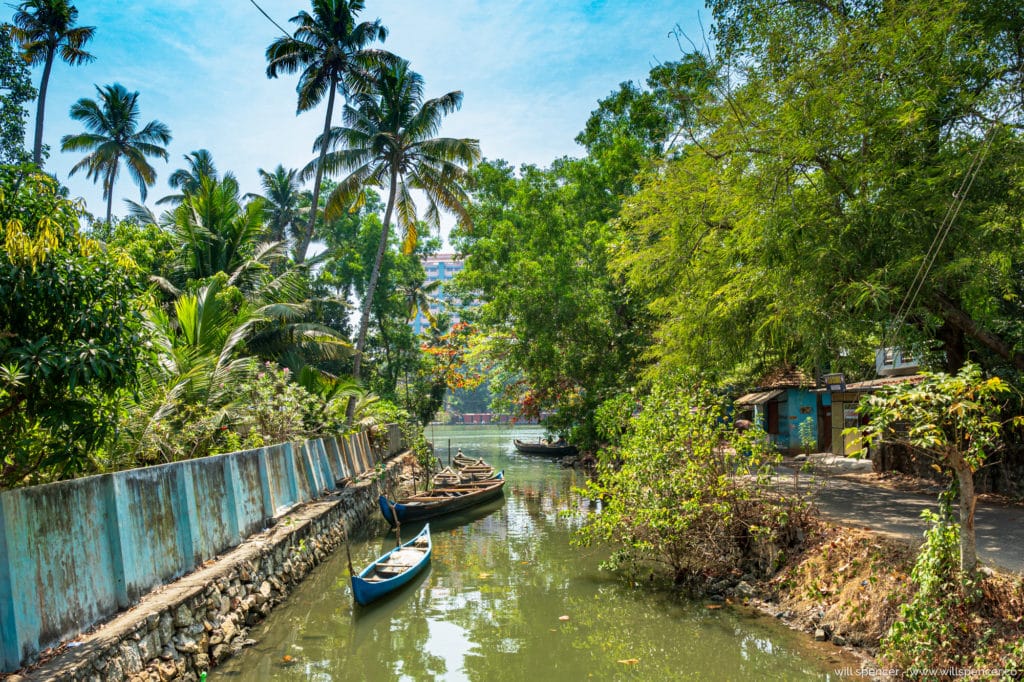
<point>440,501</point>
<point>394,569</point>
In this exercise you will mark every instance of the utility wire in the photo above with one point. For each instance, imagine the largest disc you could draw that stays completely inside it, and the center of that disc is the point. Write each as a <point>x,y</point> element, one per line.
<point>270,19</point>
<point>959,197</point>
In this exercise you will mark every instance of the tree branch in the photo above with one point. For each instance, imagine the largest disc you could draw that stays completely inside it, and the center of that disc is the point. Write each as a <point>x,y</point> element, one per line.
<point>955,316</point>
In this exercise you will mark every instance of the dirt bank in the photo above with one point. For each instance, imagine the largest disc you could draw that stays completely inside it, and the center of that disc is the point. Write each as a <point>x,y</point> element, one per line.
<point>846,585</point>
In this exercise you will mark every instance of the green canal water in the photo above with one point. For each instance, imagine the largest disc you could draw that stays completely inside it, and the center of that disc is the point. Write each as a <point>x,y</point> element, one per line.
<point>507,598</point>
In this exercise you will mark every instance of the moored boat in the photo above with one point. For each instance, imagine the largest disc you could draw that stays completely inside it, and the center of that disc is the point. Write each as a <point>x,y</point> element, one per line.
<point>442,500</point>
<point>561,449</point>
<point>479,470</point>
<point>393,569</point>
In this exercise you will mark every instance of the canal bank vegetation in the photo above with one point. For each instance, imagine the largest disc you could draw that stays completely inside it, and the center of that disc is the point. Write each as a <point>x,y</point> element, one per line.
<point>688,500</point>
<point>906,606</point>
<point>682,490</point>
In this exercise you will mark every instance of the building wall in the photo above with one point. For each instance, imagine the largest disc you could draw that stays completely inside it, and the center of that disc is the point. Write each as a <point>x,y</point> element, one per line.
<point>440,267</point>
<point>844,415</point>
<point>74,553</point>
<point>802,405</point>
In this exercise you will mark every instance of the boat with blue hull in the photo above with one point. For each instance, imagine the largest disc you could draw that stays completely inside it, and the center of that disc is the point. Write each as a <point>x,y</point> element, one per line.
<point>438,501</point>
<point>393,569</point>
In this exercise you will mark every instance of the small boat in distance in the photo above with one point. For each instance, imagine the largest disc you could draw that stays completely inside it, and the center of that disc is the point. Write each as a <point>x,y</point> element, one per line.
<point>393,569</point>
<point>461,460</point>
<point>557,449</point>
<point>448,477</point>
<point>440,501</point>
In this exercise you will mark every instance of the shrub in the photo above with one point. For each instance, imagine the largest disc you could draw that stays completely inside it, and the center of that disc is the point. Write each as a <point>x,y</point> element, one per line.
<point>686,491</point>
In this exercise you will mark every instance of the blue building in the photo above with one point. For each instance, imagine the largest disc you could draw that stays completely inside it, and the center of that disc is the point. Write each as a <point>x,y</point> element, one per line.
<point>782,401</point>
<point>441,267</point>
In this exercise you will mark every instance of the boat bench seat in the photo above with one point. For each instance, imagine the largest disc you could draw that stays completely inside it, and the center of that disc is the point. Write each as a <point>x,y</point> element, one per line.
<point>400,561</point>
<point>391,570</point>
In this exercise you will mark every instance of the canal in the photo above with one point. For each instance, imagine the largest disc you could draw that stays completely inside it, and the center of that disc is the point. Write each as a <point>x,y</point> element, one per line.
<point>507,598</point>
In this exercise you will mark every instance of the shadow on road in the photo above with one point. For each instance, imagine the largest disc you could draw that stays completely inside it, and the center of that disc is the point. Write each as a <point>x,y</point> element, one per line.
<point>852,502</point>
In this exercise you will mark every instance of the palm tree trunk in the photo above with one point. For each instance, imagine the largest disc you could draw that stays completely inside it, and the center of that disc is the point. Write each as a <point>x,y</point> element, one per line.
<point>307,237</point>
<point>108,187</point>
<point>37,145</point>
<point>364,317</point>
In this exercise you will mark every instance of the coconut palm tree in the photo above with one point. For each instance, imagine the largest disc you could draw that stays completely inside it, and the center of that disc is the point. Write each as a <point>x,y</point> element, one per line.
<point>113,134</point>
<point>44,29</point>
<point>419,297</point>
<point>326,46</point>
<point>281,197</point>
<point>216,232</point>
<point>388,142</point>
<point>187,180</point>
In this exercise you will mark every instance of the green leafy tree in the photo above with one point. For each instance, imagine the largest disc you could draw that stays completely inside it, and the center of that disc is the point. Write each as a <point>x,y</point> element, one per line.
<point>559,322</point>
<point>46,29</point>
<point>70,333</point>
<point>327,46</point>
<point>114,135</point>
<point>15,89</point>
<point>151,248</point>
<point>388,142</point>
<point>633,126</point>
<point>953,420</point>
<point>798,218</point>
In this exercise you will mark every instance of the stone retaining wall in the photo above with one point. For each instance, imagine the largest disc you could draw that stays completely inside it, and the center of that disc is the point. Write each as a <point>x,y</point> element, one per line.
<point>187,627</point>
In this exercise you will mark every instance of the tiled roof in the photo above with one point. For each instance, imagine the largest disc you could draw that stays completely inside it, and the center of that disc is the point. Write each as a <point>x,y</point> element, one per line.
<point>785,376</point>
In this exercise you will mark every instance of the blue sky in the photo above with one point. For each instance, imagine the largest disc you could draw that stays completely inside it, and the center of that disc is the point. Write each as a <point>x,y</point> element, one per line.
<point>531,72</point>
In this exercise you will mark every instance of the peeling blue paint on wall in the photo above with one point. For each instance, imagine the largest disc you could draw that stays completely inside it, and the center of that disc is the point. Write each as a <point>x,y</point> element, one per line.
<point>76,552</point>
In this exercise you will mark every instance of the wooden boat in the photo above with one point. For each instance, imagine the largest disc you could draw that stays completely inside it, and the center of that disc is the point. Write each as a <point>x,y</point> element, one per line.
<point>549,449</point>
<point>440,501</point>
<point>469,471</point>
<point>445,478</point>
<point>460,460</point>
<point>393,569</point>
<point>477,470</point>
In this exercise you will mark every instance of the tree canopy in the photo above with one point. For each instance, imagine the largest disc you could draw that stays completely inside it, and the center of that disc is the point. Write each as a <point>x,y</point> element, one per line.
<point>70,332</point>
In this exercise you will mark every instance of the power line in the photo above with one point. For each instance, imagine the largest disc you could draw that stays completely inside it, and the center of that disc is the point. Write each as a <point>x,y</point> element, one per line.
<point>959,197</point>
<point>270,19</point>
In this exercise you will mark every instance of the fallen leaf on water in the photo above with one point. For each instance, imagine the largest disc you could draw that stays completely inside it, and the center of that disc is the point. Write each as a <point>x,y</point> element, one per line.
<point>563,618</point>
<point>629,661</point>
<point>524,562</point>
<point>713,606</point>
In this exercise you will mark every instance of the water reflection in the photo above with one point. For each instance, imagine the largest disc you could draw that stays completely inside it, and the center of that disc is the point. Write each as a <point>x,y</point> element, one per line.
<point>494,602</point>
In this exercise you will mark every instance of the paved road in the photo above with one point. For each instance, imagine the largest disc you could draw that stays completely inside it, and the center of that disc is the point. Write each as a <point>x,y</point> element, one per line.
<point>852,501</point>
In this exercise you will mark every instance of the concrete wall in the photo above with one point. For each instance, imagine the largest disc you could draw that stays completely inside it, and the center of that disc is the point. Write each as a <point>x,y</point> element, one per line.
<point>198,621</point>
<point>76,552</point>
